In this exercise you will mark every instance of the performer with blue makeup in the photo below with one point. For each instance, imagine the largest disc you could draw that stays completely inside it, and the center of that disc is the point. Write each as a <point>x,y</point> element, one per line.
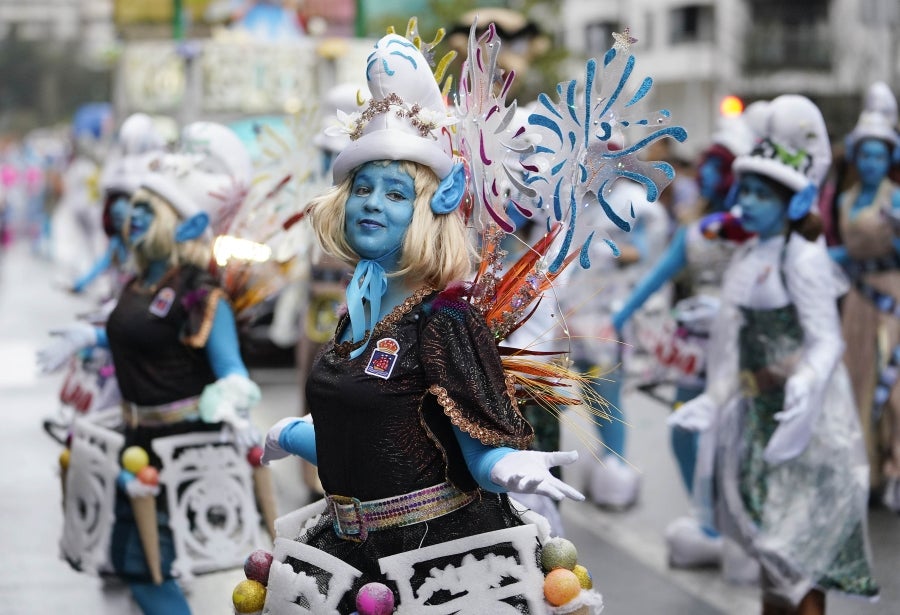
<point>414,425</point>
<point>698,262</point>
<point>137,141</point>
<point>175,350</point>
<point>870,253</point>
<point>789,463</point>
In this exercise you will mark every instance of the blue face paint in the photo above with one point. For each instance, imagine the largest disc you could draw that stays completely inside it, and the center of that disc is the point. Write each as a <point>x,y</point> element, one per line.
<point>118,213</point>
<point>873,160</point>
<point>379,211</point>
<point>709,176</point>
<point>763,209</point>
<point>142,216</point>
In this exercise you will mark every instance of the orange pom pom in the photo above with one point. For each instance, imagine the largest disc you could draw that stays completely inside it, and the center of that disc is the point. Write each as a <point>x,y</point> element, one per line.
<point>560,586</point>
<point>148,475</point>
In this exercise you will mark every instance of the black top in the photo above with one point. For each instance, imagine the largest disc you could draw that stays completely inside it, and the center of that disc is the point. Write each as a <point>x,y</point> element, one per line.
<point>379,437</point>
<point>156,336</point>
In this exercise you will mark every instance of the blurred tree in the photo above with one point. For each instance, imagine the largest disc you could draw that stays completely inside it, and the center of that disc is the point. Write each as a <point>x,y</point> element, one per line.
<point>44,82</point>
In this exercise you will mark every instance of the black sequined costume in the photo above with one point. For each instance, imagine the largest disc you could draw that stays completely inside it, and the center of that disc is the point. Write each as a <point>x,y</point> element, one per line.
<point>378,437</point>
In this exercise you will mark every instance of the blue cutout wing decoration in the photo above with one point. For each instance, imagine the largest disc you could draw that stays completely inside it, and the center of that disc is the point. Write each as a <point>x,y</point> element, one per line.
<point>589,138</point>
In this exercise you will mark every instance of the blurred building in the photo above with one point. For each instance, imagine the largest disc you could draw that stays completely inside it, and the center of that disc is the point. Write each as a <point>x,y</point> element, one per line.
<point>699,51</point>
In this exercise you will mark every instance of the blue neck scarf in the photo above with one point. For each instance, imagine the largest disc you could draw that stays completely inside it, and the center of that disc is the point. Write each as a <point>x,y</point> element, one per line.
<point>369,283</point>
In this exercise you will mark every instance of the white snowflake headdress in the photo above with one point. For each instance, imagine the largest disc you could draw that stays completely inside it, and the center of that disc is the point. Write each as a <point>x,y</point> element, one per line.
<point>572,150</point>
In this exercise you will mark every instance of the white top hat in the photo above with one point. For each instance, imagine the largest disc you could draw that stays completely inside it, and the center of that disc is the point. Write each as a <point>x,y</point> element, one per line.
<point>794,150</point>
<point>139,142</point>
<point>406,118</point>
<point>878,119</point>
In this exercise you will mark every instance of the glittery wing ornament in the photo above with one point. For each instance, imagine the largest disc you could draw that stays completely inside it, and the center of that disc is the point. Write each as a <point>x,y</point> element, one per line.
<point>590,138</point>
<point>487,133</point>
<point>566,158</point>
<point>258,255</point>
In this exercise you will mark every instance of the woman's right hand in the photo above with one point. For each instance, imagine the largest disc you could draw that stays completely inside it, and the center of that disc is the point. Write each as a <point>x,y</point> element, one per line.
<point>69,340</point>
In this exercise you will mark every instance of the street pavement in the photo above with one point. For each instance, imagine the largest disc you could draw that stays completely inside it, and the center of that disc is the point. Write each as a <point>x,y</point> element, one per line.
<point>623,550</point>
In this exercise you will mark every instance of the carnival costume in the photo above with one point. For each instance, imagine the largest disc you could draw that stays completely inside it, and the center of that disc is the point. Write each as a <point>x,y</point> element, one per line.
<point>415,425</point>
<point>697,260</point>
<point>869,254</point>
<point>90,386</point>
<point>788,458</point>
<point>172,495</point>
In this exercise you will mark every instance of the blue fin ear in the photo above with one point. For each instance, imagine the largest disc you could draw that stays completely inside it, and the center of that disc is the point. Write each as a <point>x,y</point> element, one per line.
<point>731,196</point>
<point>192,228</point>
<point>450,192</point>
<point>802,202</point>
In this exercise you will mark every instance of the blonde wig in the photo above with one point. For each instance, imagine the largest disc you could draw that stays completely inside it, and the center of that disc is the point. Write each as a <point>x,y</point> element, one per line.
<point>436,250</point>
<point>159,242</point>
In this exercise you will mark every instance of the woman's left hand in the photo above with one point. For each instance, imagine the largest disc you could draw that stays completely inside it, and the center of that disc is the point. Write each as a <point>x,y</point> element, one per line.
<point>529,472</point>
<point>795,422</point>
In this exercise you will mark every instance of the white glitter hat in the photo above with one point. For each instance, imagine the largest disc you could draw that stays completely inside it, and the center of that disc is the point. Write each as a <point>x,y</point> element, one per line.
<point>794,149</point>
<point>406,118</point>
<point>209,173</point>
<point>878,119</point>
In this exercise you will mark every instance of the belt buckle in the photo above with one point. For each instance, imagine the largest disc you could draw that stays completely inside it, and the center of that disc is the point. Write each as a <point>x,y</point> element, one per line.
<point>337,500</point>
<point>749,386</point>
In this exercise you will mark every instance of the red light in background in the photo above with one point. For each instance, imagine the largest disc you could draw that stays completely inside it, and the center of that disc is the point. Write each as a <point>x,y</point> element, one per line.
<point>731,106</point>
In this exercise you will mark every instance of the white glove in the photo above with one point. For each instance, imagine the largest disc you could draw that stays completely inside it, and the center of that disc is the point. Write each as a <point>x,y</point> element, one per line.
<point>529,472</point>
<point>796,421</point>
<point>694,415</point>
<point>228,400</point>
<point>70,339</point>
<point>273,449</point>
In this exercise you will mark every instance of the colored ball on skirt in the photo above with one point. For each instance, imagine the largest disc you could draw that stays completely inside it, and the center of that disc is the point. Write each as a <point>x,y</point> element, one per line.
<point>64,458</point>
<point>560,586</point>
<point>248,596</point>
<point>257,565</point>
<point>148,475</point>
<point>584,577</point>
<point>135,459</point>
<point>375,599</point>
<point>254,456</point>
<point>558,553</point>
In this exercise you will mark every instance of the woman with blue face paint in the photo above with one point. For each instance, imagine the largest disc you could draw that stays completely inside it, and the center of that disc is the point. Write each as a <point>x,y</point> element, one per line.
<point>173,342</point>
<point>788,453</point>
<point>698,262</point>
<point>413,426</point>
<point>870,253</point>
<point>138,141</point>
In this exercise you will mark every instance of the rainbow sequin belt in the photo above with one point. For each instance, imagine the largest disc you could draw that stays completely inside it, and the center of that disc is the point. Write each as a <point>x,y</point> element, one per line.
<point>159,416</point>
<point>353,520</point>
